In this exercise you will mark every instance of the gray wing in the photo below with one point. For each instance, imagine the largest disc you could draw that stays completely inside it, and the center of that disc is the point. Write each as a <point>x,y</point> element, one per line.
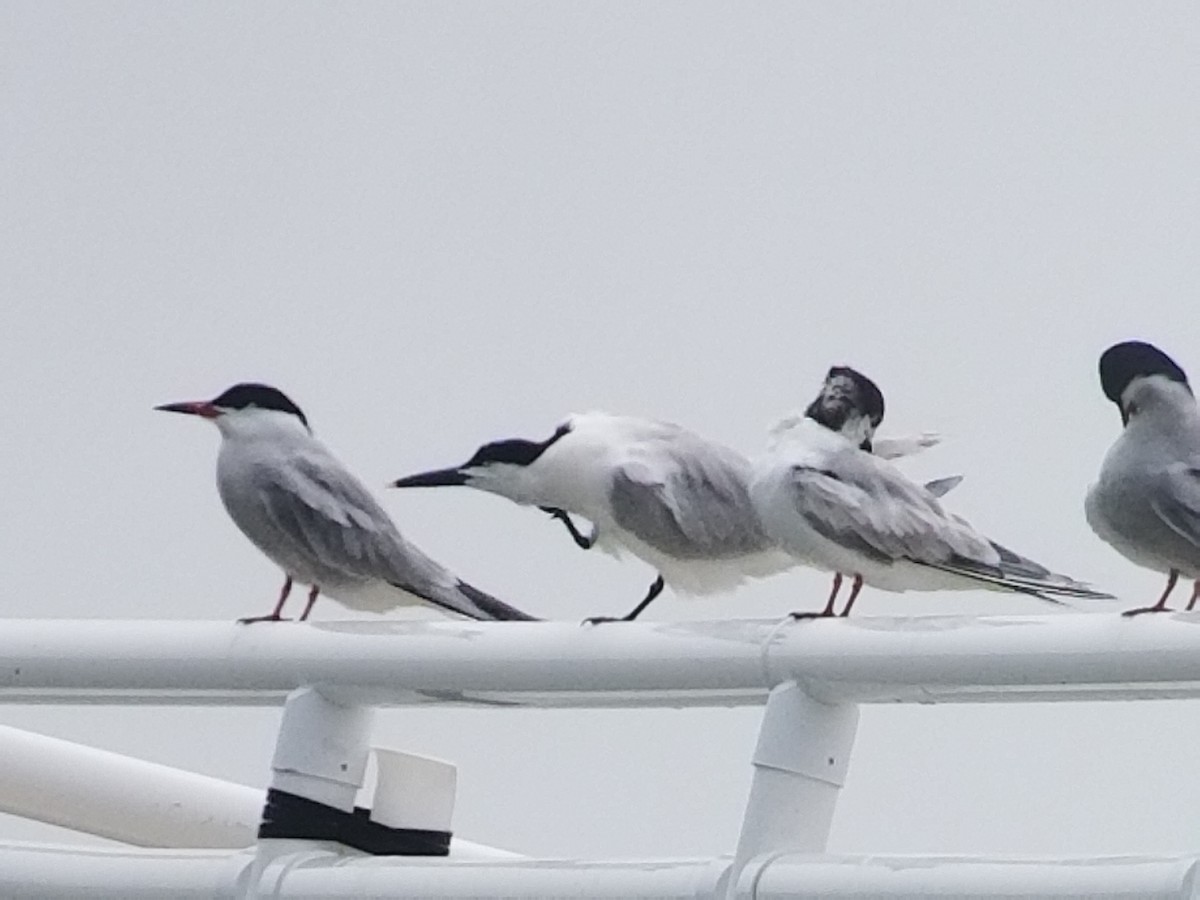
<point>688,498</point>
<point>328,516</point>
<point>855,501</point>
<point>1175,498</point>
<point>866,505</point>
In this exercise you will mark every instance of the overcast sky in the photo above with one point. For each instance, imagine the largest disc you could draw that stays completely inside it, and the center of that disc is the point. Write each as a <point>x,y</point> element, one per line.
<point>435,225</point>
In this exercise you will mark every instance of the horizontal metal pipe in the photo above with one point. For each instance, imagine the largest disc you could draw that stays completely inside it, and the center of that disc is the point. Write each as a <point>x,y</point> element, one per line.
<point>717,663</point>
<point>1123,878</point>
<point>74,873</point>
<point>584,880</point>
<point>309,873</point>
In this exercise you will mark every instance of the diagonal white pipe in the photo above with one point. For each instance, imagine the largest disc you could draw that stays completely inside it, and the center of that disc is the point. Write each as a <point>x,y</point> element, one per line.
<point>136,802</point>
<point>122,798</point>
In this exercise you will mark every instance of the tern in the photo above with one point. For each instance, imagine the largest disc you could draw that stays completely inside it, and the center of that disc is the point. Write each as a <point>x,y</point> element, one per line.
<point>296,502</point>
<point>675,500</point>
<point>825,498</point>
<point>1146,502</point>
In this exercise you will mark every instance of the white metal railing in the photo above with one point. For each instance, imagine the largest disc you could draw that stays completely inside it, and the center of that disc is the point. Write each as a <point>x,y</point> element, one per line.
<point>810,675</point>
<point>72,873</point>
<point>718,663</point>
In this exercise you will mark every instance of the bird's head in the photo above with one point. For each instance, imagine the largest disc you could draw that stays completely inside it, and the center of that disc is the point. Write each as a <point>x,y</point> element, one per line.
<point>1144,382</point>
<point>507,468</point>
<point>849,403</point>
<point>246,409</point>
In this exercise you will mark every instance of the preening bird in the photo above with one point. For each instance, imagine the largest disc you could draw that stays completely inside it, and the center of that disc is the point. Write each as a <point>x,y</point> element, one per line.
<point>825,498</point>
<point>1146,502</point>
<point>296,502</point>
<point>673,499</point>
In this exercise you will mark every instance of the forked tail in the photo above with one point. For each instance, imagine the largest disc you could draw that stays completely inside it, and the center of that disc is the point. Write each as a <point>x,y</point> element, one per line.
<point>1021,575</point>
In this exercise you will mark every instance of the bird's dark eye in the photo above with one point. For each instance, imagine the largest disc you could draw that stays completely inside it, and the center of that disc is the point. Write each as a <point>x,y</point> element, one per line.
<point>1131,409</point>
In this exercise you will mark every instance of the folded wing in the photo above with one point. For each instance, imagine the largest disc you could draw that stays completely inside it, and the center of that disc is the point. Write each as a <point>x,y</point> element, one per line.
<point>325,514</point>
<point>866,505</point>
<point>1176,500</point>
<point>689,498</point>
<point>852,500</point>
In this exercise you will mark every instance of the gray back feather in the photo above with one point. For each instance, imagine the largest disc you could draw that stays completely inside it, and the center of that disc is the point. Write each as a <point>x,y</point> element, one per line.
<point>326,528</point>
<point>688,498</point>
<point>327,514</point>
<point>858,502</point>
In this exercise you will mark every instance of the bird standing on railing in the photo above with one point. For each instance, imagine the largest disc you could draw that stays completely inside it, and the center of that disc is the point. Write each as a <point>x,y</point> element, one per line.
<point>1146,503</point>
<point>825,498</point>
<point>295,502</point>
<point>668,496</point>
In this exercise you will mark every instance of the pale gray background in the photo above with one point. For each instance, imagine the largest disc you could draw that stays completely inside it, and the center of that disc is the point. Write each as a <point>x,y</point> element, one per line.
<point>439,224</point>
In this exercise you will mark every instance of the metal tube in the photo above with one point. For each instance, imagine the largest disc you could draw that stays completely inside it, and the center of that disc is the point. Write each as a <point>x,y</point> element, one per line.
<point>322,749</point>
<point>926,660</point>
<point>72,873</point>
<point>137,802</point>
<point>584,880</point>
<point>121,798</point>
<point>799,768</point>
<point>1119,878</point>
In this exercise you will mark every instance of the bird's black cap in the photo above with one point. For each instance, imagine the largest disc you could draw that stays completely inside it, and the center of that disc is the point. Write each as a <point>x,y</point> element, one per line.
<point>846,392</point>
<point>515,452</point>
<point>261,396</point>
<point>1121,363</point>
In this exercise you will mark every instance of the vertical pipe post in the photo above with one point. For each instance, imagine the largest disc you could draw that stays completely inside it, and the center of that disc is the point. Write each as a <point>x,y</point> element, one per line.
<point>321,755</point>
<point>799,767</point>
<point>322,749</point>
